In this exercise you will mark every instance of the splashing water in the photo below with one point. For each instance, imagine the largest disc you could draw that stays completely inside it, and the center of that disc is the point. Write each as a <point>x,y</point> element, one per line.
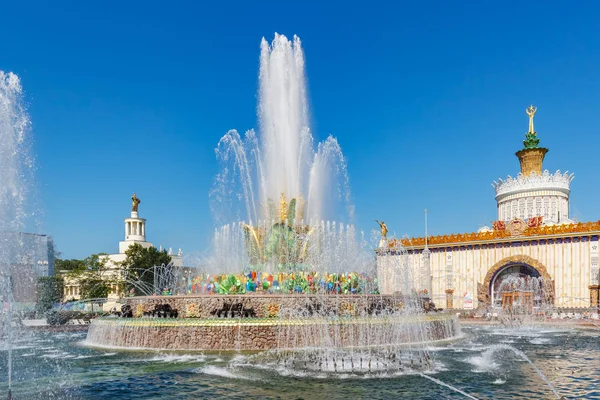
<point>262,177</point>
<point>448,386</point>
<point>256,171</point>
<point>487,355</point>
<point>538,287</point>
<point>326,247</point>
<point>15,165</point>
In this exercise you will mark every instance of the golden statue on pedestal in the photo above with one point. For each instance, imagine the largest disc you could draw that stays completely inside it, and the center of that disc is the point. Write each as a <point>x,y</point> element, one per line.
<point>135,201</point>
<point>384,229</point>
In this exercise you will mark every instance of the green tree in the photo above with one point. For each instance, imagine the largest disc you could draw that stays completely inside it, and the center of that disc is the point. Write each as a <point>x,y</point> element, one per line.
<point>49,292</point>
<point>94,287</point>
<point>93,276</point>
<point>96,262</point>
<point>68,265</point>
<point>138,267</point>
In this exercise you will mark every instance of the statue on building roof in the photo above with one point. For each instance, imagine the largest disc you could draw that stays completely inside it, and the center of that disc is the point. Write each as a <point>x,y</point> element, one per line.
<point>135,201</point>
<point>384,229</point>
<point>531,140</point>
<point>531,112</point>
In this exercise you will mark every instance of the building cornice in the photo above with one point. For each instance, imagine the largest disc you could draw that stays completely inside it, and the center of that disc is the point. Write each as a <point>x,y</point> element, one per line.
<point>497,236</point>
<point>546,181</point>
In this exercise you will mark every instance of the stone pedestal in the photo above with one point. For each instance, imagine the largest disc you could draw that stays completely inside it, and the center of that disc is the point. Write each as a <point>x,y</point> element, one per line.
<point>594,295</point>
<point>449,298</point>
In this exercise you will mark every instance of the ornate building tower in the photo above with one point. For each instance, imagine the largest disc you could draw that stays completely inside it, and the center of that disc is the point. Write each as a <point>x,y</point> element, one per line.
<point>135,228</point>
<point>534,193</point>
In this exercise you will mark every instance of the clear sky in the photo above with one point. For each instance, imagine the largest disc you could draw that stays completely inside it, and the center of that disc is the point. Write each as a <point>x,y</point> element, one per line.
<point>427,100</point>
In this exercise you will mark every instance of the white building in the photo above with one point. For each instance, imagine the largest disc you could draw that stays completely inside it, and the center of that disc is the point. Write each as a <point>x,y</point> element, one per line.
<point>534,193</point>
<point>532,238</point>
<point>134,233</point>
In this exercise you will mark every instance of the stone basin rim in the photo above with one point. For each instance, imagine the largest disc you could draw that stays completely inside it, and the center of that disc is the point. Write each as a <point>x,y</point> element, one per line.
<point>243,334</point>
<point>192,322</point>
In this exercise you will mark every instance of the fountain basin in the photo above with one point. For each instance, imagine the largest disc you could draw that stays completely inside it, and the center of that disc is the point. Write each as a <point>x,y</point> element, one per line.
<point>260,305</point>
<point>345,323</point>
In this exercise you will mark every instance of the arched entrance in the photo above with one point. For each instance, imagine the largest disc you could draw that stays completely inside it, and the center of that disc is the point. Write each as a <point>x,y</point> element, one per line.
<point>520,279</point>
<point>516,283</point>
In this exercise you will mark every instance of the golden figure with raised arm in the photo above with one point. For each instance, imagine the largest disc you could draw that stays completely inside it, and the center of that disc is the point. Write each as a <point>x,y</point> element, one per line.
<point>135,201</point>
<point>384,229</point>
<point>531,112</point>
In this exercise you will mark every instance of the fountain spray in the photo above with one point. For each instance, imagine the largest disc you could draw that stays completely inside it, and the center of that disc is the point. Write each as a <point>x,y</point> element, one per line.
<point>14,164</point>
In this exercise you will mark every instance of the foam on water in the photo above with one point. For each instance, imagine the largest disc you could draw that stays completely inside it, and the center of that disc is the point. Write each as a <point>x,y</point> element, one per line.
<point>486,362</point>
<point>179,358</point>
<point>540,340</point>
<point>483,362</point>
<point>222,372</point>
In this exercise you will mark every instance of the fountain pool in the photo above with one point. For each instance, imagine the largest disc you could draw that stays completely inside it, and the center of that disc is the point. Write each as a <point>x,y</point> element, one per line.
<point>481,364</point>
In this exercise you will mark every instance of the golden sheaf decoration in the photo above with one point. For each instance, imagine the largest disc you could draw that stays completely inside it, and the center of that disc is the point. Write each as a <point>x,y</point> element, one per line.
<point>580,227</point>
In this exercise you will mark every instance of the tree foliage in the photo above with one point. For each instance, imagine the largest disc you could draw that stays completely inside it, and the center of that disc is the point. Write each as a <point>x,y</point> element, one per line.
<point>94,287</point>
<point>138,267</point>
<point>68,265</point>
<point>93,276</point>
<point>49,293</point>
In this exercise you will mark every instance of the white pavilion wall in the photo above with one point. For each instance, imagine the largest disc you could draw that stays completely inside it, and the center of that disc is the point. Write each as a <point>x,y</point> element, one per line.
<point>567,260</point>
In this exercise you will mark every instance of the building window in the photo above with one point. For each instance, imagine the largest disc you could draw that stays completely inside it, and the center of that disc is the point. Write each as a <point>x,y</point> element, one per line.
<point>522,208</point>
<point>565,208</point>
<point>529,207</point>
<point>538,206</point>
<point>546,208</point>
<point>554,213</point>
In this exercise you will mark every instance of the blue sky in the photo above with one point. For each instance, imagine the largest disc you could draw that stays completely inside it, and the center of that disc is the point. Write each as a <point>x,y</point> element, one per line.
<point>427,101</point>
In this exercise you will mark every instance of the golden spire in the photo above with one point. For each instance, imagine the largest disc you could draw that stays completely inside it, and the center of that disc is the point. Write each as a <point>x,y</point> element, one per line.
<point>532,155</point>
<point>531,112</point>
<point>283,208</point>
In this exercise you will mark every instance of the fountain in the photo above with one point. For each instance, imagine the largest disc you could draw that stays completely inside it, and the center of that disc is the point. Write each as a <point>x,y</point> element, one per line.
<point>285,278</point>
<point>286,282</point>
<point>14,167</point>
<point>523,299</point>
<point>279,185</point>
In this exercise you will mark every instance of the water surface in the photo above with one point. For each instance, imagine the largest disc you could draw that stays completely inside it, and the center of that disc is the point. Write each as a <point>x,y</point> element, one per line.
<point>482,364</point>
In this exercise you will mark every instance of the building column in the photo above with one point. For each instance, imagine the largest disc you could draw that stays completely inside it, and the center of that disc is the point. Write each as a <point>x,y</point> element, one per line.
<point>449,298</point>
<point>426,284</point>
<point>594,295</point>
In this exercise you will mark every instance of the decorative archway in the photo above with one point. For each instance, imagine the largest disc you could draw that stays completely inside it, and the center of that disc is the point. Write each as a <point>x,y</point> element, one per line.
<point>484,290</point>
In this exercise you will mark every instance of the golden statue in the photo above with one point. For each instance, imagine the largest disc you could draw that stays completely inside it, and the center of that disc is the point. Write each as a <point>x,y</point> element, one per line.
<point>384,229</point>
<point>134,203</point>
<point>283,208</point>
<point>531,112</point>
